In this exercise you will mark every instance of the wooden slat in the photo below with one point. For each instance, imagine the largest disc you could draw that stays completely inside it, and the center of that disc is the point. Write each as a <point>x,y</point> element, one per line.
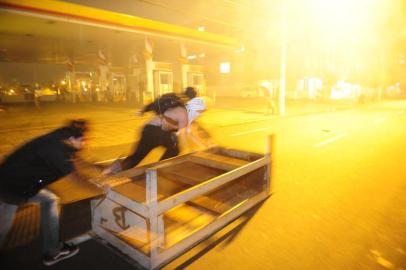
<point>239,154</point>
<point>213,163</point>
<point>137,207</point>
<point>137,171</point>
<point>189,173</point>
<point>130,173</point>
<point>217,161</point>
<point>182,221</point>
<point>167,163</point>
<point>209,185</point>
<point>134,190</point>
<point>133,242</point>
<point>168,187</point>
<point>223,200</point>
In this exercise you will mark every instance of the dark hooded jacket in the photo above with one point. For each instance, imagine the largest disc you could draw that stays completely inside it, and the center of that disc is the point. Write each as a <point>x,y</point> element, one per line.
<point>36,164</point>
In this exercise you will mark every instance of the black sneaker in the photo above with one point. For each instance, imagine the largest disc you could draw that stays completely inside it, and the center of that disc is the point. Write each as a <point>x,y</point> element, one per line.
<point>67,251</point>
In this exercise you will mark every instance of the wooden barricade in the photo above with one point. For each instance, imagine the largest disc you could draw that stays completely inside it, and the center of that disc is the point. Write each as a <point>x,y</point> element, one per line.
<point>156,212</point>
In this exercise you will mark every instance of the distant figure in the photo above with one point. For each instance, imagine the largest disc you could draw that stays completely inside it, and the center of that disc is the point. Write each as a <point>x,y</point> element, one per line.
<point>165,129</point>
<point>195,106</point>
<point>270,102</point>
<point>24,176</point>
<point>37,96</point>
<point>362,99</point>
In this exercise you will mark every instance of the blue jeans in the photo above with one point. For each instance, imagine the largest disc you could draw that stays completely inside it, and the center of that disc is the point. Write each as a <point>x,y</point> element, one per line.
<point>49,205</point>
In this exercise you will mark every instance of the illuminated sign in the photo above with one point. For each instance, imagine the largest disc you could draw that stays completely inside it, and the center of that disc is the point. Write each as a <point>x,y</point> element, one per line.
<point>225,67</point>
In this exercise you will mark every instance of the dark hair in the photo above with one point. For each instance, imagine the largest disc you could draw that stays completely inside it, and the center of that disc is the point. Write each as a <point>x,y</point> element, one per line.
<point>190,92</point>
<point>164,102</point>
<point>78,127</point>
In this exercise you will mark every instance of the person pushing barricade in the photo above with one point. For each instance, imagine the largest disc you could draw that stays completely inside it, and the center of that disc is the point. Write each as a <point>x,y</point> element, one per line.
<point>24,175</point>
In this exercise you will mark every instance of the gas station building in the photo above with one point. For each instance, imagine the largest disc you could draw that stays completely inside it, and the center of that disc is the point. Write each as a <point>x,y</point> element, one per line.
<point>98,55</point>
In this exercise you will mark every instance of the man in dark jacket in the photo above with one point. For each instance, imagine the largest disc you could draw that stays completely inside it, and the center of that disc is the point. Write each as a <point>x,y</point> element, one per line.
<point>24,175</point>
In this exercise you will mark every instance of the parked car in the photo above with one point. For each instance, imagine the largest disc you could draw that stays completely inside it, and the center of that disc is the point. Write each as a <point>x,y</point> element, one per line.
<point>17,94</point>
<point>46,94</point>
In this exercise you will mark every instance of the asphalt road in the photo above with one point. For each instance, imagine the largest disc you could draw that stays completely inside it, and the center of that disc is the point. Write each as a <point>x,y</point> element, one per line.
<point>339,186</point>
<point>339,194</point>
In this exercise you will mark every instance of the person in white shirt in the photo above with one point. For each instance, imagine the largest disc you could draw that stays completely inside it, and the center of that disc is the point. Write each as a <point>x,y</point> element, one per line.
<point>195,106</point>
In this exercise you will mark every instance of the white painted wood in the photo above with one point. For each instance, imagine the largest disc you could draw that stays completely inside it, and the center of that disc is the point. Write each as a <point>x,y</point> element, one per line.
<point>238,153</point>
<point>137,171</point>
<point>227,165</point>
<point>161,231</point>
<point>152,203</point>
<point>267,180</point>
<point>139,208</point>
<point>270,156</point>
<point>212,163</point>
<point>119,219</point>
<point>151,187</point>
<point>168,162</point>
<point>133,172</point>
<point>209,185</point>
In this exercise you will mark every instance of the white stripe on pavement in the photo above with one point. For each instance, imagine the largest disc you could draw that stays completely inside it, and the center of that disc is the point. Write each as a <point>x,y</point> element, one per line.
<point>333,139</point>
<point>249,131</point>
<point>380,120</point>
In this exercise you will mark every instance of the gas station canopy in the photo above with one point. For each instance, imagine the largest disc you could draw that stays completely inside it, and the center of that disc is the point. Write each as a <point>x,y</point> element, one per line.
<point>52,31</point>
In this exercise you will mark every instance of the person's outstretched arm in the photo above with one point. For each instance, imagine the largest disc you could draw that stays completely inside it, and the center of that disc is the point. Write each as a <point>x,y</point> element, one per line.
<point>147,108</point>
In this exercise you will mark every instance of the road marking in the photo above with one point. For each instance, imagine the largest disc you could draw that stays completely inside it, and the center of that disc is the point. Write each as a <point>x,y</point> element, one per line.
<point>249,131</point>
<point>333,139</point>
<point>380,120</point>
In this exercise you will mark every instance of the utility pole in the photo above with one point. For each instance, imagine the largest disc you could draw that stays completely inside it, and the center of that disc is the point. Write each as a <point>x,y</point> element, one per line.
<point>282,81</point>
